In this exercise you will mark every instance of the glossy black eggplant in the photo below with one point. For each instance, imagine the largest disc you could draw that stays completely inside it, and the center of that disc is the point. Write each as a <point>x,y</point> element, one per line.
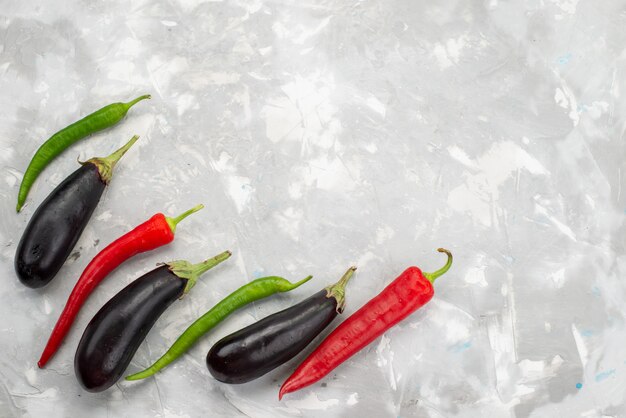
<point>253,351</point>
<point>116,331</point>
<point>59,221</point>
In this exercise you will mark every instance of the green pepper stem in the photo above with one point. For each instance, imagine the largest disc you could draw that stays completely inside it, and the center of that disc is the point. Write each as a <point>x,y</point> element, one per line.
<point>292,286</point>
<point>138,99</point>
<point>191,272</point>
<point>105,165</point>
<point>172,222</point>
<point>432,276</point>
<point>338,290</point>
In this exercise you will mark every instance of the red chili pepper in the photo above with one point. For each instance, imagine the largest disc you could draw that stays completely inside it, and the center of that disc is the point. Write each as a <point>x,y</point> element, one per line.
<point>407,293</point>
<point>155,232</point>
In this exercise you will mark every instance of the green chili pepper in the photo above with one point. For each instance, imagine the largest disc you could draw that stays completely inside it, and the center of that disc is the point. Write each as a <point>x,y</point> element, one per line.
<point>57,143</point>
<point>255,290</point>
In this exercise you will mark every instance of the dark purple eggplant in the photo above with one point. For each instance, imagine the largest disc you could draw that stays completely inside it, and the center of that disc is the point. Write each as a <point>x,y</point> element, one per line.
<point>255,350</point>
<point>59,221</point>
<point>120,326</point>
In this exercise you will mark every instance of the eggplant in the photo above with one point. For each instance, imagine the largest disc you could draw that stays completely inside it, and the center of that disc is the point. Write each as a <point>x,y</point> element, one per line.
<point>115,333</point>
<point>59,221</point>
<point>257,349</point>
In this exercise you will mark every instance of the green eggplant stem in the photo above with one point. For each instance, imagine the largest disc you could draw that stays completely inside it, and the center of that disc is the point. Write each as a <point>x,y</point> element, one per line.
<point>338,290</point>
<point>191,272</point>
<point>105,165</point>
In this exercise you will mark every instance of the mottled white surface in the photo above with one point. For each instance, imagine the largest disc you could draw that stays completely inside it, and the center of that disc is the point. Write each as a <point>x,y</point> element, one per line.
<point>322,134</point>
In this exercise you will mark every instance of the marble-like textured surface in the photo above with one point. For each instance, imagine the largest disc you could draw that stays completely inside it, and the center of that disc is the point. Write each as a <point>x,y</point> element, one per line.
<point>322,134</point>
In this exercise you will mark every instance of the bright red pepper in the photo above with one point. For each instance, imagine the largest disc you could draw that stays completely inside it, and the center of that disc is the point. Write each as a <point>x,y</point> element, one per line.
<point>155,232</point>
<point>407,293</point>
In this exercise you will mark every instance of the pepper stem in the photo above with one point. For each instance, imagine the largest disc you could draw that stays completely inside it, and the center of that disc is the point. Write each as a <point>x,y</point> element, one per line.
<point>432,276</point>
<point>191,272</point>
<point>138,99</point>
<point>172,222</point>
<point>105,165</point>
<point>292,286</point>
<point>338,290</point>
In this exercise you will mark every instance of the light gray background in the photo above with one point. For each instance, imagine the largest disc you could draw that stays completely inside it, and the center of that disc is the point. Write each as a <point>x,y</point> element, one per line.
<point>325,134</point>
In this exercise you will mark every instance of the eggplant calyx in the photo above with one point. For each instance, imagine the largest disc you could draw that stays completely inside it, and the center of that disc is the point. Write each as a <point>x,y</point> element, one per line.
<point>105,165</point>
<point>338,290</point>
<point>191,272</point>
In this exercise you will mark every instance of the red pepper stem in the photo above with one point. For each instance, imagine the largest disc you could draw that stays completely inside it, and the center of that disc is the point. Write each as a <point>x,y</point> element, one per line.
<point>432,276</point>
<point>191,272</point>
<point>105,165</point>
<point>338,290</point>
<point>172,222</point>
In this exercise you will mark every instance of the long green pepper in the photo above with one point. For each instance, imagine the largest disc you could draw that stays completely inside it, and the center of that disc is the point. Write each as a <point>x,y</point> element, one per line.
<point>255,290</point>
<point>60,141</point>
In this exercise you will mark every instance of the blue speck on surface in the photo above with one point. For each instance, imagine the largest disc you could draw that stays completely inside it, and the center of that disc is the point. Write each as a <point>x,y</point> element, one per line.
<point>457,348</point>
<point>564,59</point>
<point>586,333</point>
<point>579,385</point>
<point>604,375</point>
<point>257,273</point>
